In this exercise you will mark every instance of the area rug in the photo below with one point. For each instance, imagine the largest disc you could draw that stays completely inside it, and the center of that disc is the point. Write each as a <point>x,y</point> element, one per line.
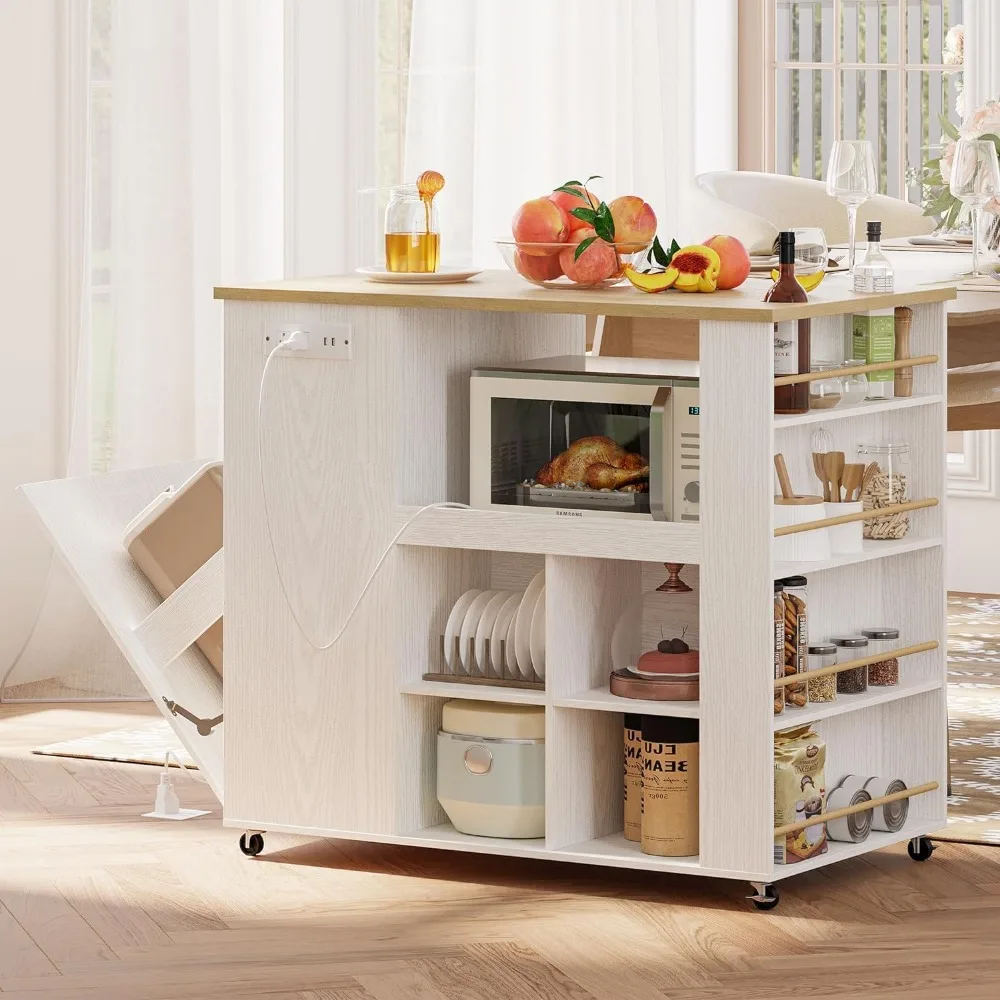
<point>146,744</point>
<point>974,719</point>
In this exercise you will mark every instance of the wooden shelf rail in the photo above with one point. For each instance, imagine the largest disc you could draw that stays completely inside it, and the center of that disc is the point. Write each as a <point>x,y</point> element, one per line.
<point>920,647</point>
<point>881,800</point>
<point>877,366</point>
<point>862,515</point>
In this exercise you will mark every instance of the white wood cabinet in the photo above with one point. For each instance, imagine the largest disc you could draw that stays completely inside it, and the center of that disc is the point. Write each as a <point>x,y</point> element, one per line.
<point>341,742</point>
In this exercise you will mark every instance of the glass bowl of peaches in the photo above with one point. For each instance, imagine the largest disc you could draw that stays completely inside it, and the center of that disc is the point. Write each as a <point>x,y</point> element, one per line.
<point>569,239</point>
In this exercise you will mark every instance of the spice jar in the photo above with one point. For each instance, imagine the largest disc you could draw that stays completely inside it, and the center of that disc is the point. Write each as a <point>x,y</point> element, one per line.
<point>779,645</point>
<point>885,673</point>
<point>885,486</point>
<point>854,387</point>
<point>851,647</point>
<point>796,646</point>
<point>823,688</point>
<point>825,393</point>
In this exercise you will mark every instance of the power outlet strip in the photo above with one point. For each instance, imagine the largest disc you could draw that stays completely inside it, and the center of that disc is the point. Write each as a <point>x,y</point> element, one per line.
<point>333,341</point>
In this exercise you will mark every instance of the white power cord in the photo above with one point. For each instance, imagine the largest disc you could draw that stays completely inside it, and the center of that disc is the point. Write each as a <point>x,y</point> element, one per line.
<point>298,340</point>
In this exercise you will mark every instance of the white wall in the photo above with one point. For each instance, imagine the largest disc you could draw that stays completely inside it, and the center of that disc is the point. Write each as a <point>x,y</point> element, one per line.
<point>30,407</point>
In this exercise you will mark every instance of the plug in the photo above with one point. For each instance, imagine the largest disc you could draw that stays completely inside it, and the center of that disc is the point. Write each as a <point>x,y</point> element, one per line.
<point>298,340</point>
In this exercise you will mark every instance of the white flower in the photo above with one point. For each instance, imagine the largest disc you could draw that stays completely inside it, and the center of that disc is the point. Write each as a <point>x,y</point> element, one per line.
<point>954,46</point>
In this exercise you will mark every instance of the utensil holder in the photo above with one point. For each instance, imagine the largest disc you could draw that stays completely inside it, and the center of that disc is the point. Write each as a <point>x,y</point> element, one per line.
<point>845,538</point>
<point>803,546</point>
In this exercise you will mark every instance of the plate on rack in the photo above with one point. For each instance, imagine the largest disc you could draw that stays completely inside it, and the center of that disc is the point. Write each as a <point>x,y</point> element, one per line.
<point>501,627</point>
<point>537,639</point>
<point>522,633</point>
<point>444,275</point>
<point>511,655</point>
<point>454,627</point>
<point>469,626</point>
<point>485,627</point>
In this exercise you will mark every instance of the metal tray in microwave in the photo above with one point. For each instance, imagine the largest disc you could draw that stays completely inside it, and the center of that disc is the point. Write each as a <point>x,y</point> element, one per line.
<point>554,496</point>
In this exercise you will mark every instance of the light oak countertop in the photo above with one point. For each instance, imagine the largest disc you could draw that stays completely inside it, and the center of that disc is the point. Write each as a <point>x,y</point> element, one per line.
<point>503,291</point>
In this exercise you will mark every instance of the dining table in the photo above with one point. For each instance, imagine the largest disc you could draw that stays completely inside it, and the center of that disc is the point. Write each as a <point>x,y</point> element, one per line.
<point>973,327</point>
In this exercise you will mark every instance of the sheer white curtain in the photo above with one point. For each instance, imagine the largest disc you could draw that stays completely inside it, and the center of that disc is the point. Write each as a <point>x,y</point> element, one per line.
<point>510,99</point>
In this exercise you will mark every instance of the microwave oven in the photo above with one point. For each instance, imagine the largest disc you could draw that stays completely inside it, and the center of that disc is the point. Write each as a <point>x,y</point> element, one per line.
<point>586,436</point>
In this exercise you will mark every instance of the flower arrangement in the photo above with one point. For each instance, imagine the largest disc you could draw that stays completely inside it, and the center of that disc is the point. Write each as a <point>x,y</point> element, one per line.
<point>984,123</point>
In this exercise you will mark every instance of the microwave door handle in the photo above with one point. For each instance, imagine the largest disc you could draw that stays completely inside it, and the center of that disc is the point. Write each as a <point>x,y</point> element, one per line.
<point>660,454</point>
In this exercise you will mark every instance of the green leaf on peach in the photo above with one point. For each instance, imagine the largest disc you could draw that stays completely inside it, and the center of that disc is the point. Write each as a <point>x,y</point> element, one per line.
<point>583,244</point>
<point>584,214</point>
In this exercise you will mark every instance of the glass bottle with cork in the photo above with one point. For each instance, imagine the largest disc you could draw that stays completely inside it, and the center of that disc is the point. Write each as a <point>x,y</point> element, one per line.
<point>791,337</point>
<point>874,273</point>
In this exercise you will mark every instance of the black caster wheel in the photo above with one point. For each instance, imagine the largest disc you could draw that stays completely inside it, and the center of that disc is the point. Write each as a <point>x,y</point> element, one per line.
<point>920,848</point>
<point>251,844</point>
<point>765,897</point>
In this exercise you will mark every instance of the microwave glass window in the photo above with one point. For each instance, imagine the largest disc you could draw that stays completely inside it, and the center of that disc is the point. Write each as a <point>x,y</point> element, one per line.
<point>556,453</point>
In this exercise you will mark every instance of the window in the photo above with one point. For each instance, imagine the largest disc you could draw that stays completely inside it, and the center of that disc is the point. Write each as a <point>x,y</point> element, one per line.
<point>395,18</point>
<point>862,69</point>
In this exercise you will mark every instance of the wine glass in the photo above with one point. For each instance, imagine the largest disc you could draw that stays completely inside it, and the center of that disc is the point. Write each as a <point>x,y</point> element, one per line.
<point>975,180</point>
<point>852,179</point>
<point>811,251</point>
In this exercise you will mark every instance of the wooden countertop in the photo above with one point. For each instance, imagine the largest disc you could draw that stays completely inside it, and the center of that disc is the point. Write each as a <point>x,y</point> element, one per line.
<point>503,291</point>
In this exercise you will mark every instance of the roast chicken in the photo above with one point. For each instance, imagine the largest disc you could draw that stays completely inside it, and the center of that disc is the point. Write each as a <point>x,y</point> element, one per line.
<point>597,462</point>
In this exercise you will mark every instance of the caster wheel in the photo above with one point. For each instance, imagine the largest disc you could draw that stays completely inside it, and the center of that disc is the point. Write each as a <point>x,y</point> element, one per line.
<point>920,848</point>
<point>251,844</point>
<point>766,897</point>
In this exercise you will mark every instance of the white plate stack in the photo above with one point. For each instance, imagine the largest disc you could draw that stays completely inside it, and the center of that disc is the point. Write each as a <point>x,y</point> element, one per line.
<point>498,634</point>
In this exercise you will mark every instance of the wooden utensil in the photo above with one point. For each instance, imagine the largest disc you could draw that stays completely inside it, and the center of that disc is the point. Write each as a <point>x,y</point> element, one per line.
<point>819,467</point>
<point>783,481</point>
<point>834,465</point>
<point>871,470</point>
<point>853,472</point>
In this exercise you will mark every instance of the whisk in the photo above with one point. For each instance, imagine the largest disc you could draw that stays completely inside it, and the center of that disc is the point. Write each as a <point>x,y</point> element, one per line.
<point>820,443</point>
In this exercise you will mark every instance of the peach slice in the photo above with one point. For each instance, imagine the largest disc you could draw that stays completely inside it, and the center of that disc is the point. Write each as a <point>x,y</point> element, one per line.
<point>648,282</point>
<point>694,269</point>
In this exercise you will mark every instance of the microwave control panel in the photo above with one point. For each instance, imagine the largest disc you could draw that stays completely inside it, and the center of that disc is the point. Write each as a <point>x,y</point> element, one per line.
<point>687,454</point>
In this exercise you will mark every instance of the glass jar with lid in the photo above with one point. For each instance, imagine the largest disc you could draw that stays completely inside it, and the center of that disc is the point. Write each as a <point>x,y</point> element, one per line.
<point>885,484</point>
<point>412,235</point>
<point>822,689</point>
<point>885,673</point>
<point>779,645</point>
<point>851,647</point>
<point>825,393</point>
<point>854,387</point>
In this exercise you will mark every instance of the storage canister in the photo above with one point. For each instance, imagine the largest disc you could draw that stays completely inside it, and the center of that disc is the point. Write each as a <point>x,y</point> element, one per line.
<point>669,786</point>
<point>491,768</point>
<point>779,645</point>
<point>851,647</point>
<point>885,673</point>
<point>823,654</point>
<point>887,485</point>
<point>633,777</point>
<point>796,597</point>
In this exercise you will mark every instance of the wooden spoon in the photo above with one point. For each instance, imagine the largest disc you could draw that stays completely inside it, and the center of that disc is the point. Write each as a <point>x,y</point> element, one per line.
<point>783,481</point>
<point>853,472</point>
<point>819,467</point>
<point>834,465</point>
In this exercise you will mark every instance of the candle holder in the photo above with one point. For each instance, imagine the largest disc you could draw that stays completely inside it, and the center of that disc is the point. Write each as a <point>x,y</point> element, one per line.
<point>673,583</point>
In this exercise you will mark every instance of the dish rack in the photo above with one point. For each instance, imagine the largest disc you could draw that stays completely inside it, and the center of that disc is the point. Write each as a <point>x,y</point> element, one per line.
<point>473,672</point>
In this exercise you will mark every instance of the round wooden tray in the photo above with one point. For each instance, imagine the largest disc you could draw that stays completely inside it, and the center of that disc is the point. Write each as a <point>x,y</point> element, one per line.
<point>625,684</point>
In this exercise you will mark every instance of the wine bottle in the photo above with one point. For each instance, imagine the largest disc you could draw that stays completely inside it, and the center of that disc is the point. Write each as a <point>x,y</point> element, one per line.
<point>791,337</point>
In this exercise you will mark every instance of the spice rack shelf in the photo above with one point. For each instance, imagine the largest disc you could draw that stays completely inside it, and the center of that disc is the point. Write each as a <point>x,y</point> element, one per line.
<point>401,413</point>
<point>867,409</point>
<point>814,712</point>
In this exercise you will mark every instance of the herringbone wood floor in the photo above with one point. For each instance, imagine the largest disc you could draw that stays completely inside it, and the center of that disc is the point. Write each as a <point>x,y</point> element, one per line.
<point>98,903</point>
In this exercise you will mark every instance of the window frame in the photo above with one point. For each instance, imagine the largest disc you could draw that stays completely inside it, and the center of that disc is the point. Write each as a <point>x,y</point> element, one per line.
<point>759,68</point>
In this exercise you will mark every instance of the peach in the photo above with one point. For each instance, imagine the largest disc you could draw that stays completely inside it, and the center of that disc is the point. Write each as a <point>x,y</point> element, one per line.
<point>635,223</point>
<point>540,221</point>
<point>735,261</point>
<point>693,269</point>
<point>537,268</point>
<point>568,202</point>
<point>597,262</point>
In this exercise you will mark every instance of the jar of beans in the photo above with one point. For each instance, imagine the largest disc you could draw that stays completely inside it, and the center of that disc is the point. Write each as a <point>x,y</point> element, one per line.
<point>885,673</point>
<point>796,598</point>
<point>823,688</point>
<point>851,647</point>
<point>779,645</point>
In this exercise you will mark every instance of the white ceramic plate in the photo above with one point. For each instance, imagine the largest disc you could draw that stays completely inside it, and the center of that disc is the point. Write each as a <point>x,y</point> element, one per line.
<point>442,276</point>
<point>522,635</point>
<point>469,626</point>
<point>538,635</point>
<point>454,627</point>
<point>501,627</point>
<point>511,656</point>
<point>485,629</point>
